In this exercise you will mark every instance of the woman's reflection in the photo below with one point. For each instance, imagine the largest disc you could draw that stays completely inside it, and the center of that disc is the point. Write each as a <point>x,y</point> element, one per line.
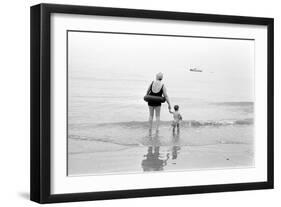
<point>153,161</point>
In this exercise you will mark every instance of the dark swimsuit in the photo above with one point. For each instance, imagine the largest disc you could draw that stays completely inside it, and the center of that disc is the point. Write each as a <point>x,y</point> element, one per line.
<point>160,93</point>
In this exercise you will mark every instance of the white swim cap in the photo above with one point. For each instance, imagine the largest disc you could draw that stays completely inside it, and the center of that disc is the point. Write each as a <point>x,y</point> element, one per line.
<point>159,76</point>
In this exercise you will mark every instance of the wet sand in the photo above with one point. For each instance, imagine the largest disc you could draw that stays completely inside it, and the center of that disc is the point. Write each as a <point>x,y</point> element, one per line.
<point>98,158</point>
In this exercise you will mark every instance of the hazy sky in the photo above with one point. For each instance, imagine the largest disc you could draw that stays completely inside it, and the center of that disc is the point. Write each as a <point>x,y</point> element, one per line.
<point>228,65</point>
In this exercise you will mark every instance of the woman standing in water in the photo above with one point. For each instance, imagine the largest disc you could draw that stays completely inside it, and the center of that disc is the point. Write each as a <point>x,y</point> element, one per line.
<point>156,88</point>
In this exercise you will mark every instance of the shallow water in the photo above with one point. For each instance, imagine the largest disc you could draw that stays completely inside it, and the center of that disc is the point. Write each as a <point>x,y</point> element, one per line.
<point>136,134</point>
<point>192,132</point>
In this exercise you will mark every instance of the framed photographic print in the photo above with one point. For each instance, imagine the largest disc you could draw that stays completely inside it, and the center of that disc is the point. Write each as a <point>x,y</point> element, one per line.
<point>132,103</point>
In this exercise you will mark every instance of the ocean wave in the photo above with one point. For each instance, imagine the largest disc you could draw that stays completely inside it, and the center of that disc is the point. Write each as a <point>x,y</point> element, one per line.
<point>105,140</point>
<point>185,123</point>
<point>234,103</point>
<point>154,141</point>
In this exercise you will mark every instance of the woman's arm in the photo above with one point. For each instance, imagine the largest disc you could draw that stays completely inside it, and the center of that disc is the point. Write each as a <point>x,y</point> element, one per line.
<point>148,88</point>
<point>180,117</point>
<point>166,96</point>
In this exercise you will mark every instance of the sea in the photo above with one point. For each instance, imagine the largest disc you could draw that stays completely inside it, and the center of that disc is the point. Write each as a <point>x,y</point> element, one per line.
<point>109,108</point>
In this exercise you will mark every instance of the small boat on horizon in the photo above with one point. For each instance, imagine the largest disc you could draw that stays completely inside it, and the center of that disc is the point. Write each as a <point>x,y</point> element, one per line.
<point>195,70</point>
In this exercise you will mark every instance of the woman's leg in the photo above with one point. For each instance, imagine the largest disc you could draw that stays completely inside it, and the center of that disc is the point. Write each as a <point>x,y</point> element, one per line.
<point>150,119</point>
<point>178,127</point>
<point>157,110</point>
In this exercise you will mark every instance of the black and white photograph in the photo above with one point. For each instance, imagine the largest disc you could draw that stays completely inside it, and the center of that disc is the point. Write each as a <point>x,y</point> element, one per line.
<point>140,103</point>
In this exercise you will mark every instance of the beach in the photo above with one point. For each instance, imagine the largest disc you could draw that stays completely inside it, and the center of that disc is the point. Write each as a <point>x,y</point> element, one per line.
<point>144,159</point>
<point>173,151</point>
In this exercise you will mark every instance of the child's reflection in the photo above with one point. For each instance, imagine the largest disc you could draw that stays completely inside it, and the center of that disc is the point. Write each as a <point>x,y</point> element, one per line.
<point>176,148</point>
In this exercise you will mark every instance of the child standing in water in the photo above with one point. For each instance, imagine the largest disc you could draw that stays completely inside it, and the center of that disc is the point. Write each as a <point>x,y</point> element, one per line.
<point>177,118</point>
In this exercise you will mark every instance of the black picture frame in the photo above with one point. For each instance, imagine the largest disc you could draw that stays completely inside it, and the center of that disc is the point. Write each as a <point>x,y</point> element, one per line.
<point>41,102</point>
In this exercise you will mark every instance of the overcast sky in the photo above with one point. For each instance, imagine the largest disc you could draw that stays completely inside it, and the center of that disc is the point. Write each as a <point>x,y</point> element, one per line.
<point>228,65</point>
